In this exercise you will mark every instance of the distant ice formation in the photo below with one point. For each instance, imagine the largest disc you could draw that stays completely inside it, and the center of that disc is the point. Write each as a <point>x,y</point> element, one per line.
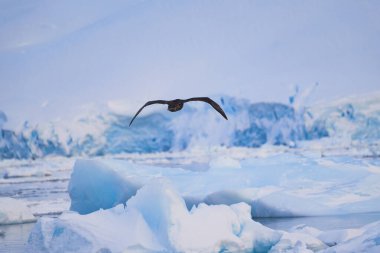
<point>349,123</point>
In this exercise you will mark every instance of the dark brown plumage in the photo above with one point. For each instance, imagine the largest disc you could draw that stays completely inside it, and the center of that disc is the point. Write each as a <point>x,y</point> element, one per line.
<point>177,104</point>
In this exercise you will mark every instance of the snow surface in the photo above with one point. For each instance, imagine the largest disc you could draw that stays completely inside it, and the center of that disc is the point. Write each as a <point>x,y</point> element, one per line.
<point>14,211</point>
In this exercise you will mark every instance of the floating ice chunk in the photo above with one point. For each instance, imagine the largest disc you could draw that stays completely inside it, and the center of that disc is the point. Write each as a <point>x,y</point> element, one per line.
<point>334,237</point>
<point>298,242</point>
<point>156,219</point>
<point>224,162</point>
<point>368,240</point>
<point>331,237</point>
<point>302,228</point>
<point>113,230</point>
<point>94,185</point>
<point>14,211</point>
<point>203,229</point>
<point>364,239</point>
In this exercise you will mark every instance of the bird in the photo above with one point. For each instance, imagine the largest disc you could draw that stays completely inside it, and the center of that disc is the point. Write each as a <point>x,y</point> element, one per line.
<point>177,104</point>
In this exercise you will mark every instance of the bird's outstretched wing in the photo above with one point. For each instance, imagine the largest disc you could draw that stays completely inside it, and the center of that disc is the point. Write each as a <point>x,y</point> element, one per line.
<point>209,101</point>
<point>146,104</point>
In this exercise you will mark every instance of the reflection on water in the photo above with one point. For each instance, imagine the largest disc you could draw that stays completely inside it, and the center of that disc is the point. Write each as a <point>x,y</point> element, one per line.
<point>15,237</point>
<point>322,222</point>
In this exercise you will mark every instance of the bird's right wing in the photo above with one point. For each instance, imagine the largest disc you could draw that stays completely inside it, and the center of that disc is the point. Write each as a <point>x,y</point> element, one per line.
<point>211,102</point>
<point>146,104</point>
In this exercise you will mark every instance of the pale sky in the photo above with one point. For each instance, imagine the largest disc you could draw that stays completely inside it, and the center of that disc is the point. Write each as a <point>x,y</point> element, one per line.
<point>58,56</point>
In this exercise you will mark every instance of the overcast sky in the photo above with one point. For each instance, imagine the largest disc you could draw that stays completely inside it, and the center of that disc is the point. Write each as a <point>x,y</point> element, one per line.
<point>58,56</point>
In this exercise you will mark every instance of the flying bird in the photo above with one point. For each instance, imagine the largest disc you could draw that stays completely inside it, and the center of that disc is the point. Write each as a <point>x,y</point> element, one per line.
<point>177,104</point>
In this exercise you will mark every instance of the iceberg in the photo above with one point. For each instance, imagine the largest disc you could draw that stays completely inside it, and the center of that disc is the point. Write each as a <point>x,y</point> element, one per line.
<point>366,240</point>
<point>111,189</point>
<point>362,239</point>
<point>156,219</point>
<point>14,211</point>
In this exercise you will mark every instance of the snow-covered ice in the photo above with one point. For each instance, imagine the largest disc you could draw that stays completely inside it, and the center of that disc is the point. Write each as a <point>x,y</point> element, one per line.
<point>224,162</point>
<point>156,219</point>
<point>282,185</point>
<point>218,183</point>
<point>14,211</point>
<point>366,239</point>
<point>210,210</point>
<point>363,239</point>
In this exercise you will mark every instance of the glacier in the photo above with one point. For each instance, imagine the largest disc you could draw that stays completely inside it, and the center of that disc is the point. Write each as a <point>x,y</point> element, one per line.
<point>347,124</point>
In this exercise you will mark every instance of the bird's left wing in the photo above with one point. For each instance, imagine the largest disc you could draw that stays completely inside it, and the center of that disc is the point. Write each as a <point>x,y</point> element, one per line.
<point>146,104</point>
<point>209,101</point>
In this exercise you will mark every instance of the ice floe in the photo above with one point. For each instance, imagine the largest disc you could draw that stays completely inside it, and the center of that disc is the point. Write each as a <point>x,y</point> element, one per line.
<point>282,185</point>
<point>156,219</point>
<point>14,211</point>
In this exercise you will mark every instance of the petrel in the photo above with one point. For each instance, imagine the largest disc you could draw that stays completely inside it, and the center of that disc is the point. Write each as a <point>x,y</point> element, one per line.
<point>177,104</point>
